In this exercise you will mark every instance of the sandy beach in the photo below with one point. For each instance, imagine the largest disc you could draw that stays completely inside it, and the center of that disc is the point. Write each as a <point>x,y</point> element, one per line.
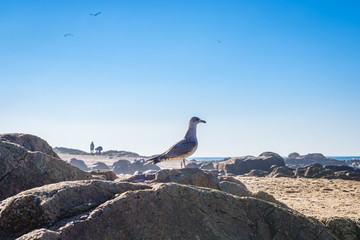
<point>320,198</point>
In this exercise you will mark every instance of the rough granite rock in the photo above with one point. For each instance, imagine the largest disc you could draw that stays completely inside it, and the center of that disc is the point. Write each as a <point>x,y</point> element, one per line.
<point>103,174</point>
<point>21,169</point>
<point>282,171</point>
<point>345,229</point>
<point>174,211</point>
<point>29,142</point>
<point>79,164</point>
<point>47,205</point>
<point>127,167</point>
<point>242,165</point>
<point>99,166</point>
<point>257,173</point>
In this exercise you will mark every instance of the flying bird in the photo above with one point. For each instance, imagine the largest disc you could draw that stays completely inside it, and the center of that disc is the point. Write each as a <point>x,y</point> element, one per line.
<point>219,41</point>
<point>95,14</point>
<point>69,35</point>
<point>182,149</point>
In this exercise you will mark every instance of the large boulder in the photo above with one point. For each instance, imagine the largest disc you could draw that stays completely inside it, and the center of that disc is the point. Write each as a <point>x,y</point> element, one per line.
<point>282,171</point>
<point>99,166</point>
<point>29,142</point>
<point>295,160</point>
<point>242,165</point>
<point>47,205</point>
<point>121,166</point>
<point>315,170</point>
<point>174,211</point>
<point>79,164</point>
<point>344,228</point>
<point>21,169</point>
<point>340,168</point>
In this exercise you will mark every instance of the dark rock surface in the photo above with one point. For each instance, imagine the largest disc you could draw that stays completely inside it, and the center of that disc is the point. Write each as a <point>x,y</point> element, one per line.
<point>127,167</point>
<point>184,212</point>
<point>242,165</point>
<point>282,171</point>
<point>257,173</point>
<point>99,166</point>
<point>79,164</point>
<point>47,205</point>
<point>296,160</point>
<point>29,142</point>
<point>103,174</point>
<point>21,169</point>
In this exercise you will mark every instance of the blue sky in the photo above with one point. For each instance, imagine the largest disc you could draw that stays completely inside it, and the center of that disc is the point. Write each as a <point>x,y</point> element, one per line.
<point>284,77</point>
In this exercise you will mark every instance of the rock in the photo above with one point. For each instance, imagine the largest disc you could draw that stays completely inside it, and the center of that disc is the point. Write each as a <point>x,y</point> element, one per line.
<point>293,155</point>
<point>193,165</point>
<point>29,142</point>
<point>282,172</point>
<point>126,167</point>
<point>21,169</point>
<point>296,160</point>
<point>270,155</point>
<point>257,173</point>
<point>99,166</point>
<point>50,204</point>
<point>316,170</point>
<point>242,165</point>
<point>267,197</point>
<point>207,166</point>
<point>121,167</point>
<point>79,164</point>
<point>103,174</point>
<point>63,150</point>
<point>234,188</point>
<point>150,171</point>
<point>339,168</point>
<point>188,176</point>
<point>174,211</point>
<point>120,154</point>
<point>345,229</point>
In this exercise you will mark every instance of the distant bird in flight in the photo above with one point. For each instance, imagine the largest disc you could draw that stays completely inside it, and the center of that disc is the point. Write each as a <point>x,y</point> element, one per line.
<point>182,149</point>
<point>69,35</point>
<point>95,14</point>
<point>219,41</point>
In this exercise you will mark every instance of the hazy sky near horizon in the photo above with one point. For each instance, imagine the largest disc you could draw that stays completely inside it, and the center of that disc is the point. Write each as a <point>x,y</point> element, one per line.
<point>279,76</point>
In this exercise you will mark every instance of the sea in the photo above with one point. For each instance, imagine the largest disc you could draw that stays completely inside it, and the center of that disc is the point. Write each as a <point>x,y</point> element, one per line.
<point>216,159</point>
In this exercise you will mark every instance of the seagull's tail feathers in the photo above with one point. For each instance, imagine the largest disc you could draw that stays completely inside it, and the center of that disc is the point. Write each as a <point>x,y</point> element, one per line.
<point>154,160</point>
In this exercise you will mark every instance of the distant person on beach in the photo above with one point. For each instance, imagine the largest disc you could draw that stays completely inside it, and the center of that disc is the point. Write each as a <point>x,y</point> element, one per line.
<point>98,150</point>
<point>92,148</point>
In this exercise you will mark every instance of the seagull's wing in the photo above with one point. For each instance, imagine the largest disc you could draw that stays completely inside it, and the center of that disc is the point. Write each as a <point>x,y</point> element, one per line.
<point>98,13</point>
<point>179,149</point>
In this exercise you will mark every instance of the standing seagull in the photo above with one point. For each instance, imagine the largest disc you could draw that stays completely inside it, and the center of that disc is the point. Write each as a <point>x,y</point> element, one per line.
<point>182,149</point>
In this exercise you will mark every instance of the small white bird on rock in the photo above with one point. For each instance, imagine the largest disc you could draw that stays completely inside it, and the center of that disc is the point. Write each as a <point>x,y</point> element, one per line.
<point>182,149</point>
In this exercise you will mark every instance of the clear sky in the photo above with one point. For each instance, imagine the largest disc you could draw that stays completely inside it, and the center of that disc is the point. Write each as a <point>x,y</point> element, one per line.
<point>279,76</point>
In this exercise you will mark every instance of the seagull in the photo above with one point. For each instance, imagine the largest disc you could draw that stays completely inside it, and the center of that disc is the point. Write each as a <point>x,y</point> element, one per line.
<point>182,149</point>
<point>69,35</point>
<point>95,14</point>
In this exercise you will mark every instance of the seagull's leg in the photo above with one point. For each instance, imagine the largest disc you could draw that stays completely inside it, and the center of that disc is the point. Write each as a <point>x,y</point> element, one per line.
<point>183,161</point>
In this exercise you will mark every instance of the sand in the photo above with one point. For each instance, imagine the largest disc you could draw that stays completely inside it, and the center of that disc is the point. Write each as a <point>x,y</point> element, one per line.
<point>320,198</point>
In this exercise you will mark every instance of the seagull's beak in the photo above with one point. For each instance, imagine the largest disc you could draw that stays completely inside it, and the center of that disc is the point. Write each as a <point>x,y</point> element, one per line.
<point>203,121</point>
